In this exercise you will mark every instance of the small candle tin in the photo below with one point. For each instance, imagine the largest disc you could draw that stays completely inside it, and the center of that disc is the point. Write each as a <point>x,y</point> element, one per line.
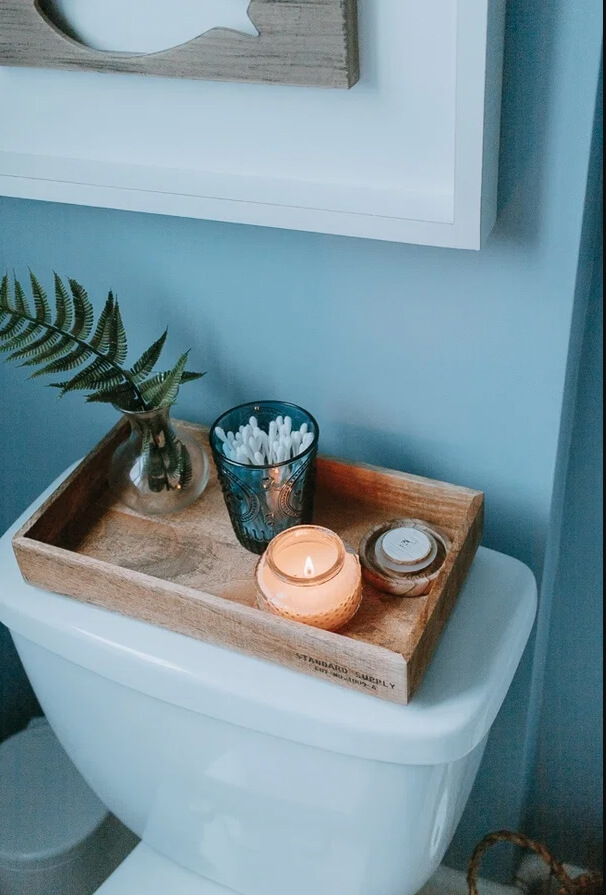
<point>403,557</point>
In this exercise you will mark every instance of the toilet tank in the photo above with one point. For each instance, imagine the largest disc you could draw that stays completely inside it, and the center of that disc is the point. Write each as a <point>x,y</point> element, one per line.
<point>256,777</point>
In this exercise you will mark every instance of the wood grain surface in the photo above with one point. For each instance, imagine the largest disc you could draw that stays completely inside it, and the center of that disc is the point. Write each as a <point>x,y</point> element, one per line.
<point>187,572</point>
<point>312,43</point>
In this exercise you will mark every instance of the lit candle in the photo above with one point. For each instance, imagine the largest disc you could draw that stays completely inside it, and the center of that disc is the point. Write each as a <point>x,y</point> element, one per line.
<point>307,575</point>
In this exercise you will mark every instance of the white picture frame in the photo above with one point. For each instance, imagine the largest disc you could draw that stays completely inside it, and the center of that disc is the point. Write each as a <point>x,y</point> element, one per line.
<point>409,155</point>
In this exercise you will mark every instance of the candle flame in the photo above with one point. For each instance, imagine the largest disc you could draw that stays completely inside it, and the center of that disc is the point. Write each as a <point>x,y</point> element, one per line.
<point>309,571</point>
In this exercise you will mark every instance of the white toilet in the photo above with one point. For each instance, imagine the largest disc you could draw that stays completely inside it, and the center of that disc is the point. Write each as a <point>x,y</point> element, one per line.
<point>244,777</point>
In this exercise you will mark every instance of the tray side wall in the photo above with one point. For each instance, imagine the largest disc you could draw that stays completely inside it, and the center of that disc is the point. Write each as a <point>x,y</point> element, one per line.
<point>78,490</point>
<point>437,502</point>
<point>458,565</point>
<point>350,663</point>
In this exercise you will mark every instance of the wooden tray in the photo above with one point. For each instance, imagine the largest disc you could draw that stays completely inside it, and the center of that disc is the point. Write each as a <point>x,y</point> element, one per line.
<point>187,572</point>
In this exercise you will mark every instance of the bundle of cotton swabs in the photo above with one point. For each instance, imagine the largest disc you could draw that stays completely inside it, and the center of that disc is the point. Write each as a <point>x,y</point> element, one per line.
<point>251,446</point>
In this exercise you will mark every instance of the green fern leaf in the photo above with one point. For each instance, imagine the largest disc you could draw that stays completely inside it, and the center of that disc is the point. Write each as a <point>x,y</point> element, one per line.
<point>33,350</point>
<point>149,359</point>
<point>43,309</point>
<point>156,471</point>
<point>48,347</point>
<point>21,302</point>
<point>87,377</point>
<point>52,351</point>
<point>6,309</point>
<point>4,303</point>
<point>84,316</point>
<point>151,385</point>
<point>22,337</point>
<point>16,319</point>
<point>118,349</point>
<point>64,317</point>
<point>102,337</point>
<point>110,380</point>
<point>63,343</point>
<point>166,388</point>
<point>122,397</point>
<point>187,469</point>
<point>69,362</point>
<point>17,316</point>
<point>14,325</point>
<point>190,376</point>
<point>25,341</point>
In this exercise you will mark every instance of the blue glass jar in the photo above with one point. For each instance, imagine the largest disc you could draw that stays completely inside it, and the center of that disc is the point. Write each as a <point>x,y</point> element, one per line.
<point>264,500</point>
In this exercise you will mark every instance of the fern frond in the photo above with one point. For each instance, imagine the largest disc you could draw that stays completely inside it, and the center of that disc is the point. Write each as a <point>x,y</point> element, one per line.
<point>149,359</point>
<point>52,351</point>
<point>64,317</point>
<point>162,389</point>
<point>17,312</point>
<point>186,469</point>
<point>21,337</point>
<point>88,377</point>
<point>60,340</point>
<point>121,396</point>
<point>118,349</point>
<point>4,291</point>
<point>32,349</point>
<point>102,337</point>
<point>21,303</point>
<point>43,310</point>
<point>70,361</point>
<point>13,325</point>
<point>190,376</point>
<point>84,316</point>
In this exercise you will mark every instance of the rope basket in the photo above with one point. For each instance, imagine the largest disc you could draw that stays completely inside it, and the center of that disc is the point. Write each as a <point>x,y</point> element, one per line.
<point>587,884</point>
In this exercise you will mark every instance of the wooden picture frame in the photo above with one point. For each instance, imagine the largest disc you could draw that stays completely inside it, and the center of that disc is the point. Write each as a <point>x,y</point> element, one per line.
<point>311,43</point>
<point>410,154</point>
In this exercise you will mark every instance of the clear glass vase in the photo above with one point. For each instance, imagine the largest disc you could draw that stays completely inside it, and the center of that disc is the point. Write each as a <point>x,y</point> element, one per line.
<point>160,468</point>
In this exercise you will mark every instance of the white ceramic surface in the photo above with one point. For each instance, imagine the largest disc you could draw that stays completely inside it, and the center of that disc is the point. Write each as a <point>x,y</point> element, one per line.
<point>145,872</point>
<point>261,779</point>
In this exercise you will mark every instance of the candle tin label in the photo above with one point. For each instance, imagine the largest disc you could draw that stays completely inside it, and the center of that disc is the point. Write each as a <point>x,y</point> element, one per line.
<point>406,545</point>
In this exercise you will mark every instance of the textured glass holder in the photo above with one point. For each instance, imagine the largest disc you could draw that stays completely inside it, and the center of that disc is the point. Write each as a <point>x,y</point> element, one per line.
<point>265,500</point>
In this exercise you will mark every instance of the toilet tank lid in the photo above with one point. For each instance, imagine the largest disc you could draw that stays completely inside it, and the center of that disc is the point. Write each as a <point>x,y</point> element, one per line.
<point>450,715</point>
<point>46,808</point>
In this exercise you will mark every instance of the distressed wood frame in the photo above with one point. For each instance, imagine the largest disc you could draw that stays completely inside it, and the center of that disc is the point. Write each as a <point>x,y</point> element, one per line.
<point>310,43</point>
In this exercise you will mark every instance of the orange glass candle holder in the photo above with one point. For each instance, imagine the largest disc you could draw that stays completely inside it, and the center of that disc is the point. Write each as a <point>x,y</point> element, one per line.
<point>307,575</point>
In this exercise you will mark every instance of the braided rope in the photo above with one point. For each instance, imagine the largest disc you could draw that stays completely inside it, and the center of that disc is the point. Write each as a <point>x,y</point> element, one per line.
<point>588,884</point>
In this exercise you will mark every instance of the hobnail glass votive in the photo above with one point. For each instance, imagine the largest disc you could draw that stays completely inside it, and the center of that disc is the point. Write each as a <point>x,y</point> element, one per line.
<point>263,501</point>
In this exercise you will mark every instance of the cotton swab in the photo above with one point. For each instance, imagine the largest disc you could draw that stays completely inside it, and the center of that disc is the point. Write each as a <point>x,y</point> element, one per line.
<point>250,445</point>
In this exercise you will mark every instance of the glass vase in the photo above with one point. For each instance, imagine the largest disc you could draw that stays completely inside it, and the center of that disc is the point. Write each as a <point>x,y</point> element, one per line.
<point>263,501</point>
<point>160,468</point>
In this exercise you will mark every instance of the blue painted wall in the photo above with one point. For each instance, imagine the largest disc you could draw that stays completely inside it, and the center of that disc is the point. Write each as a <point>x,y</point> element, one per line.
<point>566,805</point>
<point>448,363</point>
